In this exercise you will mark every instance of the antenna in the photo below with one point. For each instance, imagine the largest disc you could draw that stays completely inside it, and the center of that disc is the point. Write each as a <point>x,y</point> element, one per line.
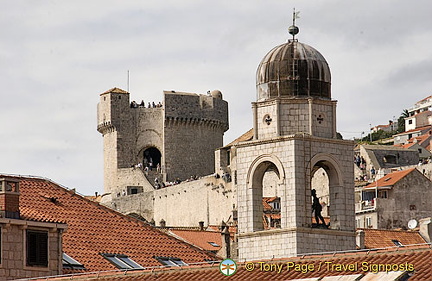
<point>128,81</point>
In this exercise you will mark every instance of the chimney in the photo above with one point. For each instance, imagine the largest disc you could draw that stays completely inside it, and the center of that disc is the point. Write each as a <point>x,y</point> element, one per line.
<point>9,198</point>
<point>162,223</point>
<point>226,241</point>
<point>360,239</point>
<point>201,225</point>
<point>426,229</point>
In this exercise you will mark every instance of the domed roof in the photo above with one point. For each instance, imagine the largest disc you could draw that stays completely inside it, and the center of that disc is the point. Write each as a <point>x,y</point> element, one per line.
<point>293,70</point>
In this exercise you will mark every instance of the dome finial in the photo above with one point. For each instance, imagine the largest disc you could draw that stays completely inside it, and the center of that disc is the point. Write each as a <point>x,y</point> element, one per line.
<point>293,29</point>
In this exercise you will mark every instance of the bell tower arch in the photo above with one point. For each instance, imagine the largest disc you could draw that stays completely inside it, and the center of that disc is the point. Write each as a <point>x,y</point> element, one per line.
<point>294,138</point>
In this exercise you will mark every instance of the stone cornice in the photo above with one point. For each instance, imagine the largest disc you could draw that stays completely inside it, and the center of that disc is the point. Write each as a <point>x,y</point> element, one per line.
<point>26,223</point>
<point>305,100</point>
<point>332,232</point>
<point>298,136</point>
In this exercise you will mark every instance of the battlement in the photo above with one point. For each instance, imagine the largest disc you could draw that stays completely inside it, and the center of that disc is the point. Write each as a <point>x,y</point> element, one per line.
<point>193,108</point>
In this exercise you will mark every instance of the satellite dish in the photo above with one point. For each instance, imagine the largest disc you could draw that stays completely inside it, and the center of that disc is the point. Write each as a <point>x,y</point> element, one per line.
<point>412,224</point>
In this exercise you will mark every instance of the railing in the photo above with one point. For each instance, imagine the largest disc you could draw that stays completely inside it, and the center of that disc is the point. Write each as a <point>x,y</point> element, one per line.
<point>367,205</point>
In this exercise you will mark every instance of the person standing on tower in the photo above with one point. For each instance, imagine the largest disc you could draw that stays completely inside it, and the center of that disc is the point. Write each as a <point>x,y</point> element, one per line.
<point>317,208</point>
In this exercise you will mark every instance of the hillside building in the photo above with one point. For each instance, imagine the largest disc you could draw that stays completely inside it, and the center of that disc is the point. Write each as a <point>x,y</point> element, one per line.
<point>393,200</point>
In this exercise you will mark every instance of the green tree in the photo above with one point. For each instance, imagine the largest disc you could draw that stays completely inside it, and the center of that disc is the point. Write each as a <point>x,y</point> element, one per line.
<point>401,121</point>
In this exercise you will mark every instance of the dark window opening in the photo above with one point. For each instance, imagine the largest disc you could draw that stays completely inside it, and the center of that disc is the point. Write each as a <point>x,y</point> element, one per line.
<point>390,159</point>
<point>134,190</point>
<point>37,248</point>
<point>170,261</point>
<point>122,261</point>
<point>228,157</point>
<point>151,157</point>
<point>382,194</point>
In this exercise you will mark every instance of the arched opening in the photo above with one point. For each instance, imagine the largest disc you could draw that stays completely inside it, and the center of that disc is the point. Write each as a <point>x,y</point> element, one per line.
<point>266,200</point>
<point>320,183</point>
<point>152,158</point>
<point>326,187</point>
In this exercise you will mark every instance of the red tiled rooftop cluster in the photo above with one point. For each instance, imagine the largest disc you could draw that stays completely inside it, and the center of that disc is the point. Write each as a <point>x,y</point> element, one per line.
<point>94,229</point>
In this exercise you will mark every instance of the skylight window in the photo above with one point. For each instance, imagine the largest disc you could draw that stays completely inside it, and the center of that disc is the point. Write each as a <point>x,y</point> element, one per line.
<point>170,261</point>
<point>69,262</point>
<point>122,261</point>
<point>397,243</point>
<point>214,244</point>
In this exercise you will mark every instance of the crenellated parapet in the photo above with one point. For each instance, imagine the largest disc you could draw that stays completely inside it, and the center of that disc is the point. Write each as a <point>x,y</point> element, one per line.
<point>213,124</point>
<point>193,109</point>
<point>106,127</point>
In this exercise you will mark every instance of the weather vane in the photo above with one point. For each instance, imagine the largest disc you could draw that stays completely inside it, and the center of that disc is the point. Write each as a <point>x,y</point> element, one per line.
<point>293,29</point>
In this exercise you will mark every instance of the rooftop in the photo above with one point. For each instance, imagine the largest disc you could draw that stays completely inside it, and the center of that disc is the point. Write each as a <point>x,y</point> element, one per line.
<point>94,229</point>
<point>384,238</point>
<point>359,265</point>
<point>390,179</point>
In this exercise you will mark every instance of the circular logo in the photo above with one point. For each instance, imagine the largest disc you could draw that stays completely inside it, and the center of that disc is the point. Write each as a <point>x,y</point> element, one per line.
<point>228,267</point>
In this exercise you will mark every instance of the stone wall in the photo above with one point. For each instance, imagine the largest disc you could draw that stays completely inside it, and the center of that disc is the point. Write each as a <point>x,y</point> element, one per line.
<point>208,199</point>
<point>409,199</point>
<point>149,129</point>
<point>13,256</point>
<point>193,129</point>
<point>140,204</point>
<point>286,117</point>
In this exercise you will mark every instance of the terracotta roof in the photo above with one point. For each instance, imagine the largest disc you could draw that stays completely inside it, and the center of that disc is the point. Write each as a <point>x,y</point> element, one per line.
<point>232,229</point>
<point>407,145</point>
<point>245,137</point>
<point>115,90</point>
<point>94,229</point>
<point>382,238</point>
<point>266,201</point>
<point>420,101</point>
<point>200,238</point>
<point>361,264</point>
<point>390,179</point>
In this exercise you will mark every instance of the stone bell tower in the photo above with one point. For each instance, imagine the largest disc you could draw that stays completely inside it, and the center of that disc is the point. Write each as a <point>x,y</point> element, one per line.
<point>294,136</point>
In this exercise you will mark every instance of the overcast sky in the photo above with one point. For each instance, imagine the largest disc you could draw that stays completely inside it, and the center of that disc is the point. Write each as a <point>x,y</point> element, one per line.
<point>56,57</point>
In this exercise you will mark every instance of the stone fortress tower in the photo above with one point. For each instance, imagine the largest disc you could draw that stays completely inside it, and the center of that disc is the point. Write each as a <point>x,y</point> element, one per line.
<point>167,136</point>
<point>294,136</point>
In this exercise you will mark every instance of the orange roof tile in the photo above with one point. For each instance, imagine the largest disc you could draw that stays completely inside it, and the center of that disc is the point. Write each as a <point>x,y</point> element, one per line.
<point>94,229</point>
<point>200,238</point>
<point>407,145</point>
<point>382,238</point>
<point>390,179</point>
<point>245,137</point>
<point>115,90</point>
<point>232,229</point>
<point>363,263</point>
